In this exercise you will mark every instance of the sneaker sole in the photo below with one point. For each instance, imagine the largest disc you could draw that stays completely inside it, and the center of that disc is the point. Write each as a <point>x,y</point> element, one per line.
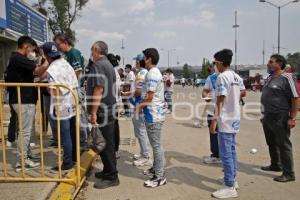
<point>226,197</point>
<point>27,169</point>
<point>107,186</point>
<point>155,186</point>
<point>142,165</point>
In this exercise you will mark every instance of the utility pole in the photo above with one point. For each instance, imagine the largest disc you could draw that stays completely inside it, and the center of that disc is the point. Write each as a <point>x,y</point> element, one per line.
<point>235,26</point>
<point>123,49</point>
<point>263,52</point>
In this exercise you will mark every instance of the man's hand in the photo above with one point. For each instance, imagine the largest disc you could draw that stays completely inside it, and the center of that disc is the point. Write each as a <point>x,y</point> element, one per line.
<point>213,126</point>
<point>139,109</point>
<point>93,118</point>
<point>291,123</point>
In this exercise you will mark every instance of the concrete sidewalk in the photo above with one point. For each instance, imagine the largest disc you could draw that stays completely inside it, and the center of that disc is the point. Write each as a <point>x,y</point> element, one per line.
<point>188,177</point>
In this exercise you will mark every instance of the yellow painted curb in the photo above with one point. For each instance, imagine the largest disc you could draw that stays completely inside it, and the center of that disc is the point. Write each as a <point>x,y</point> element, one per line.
<point>66,191</point>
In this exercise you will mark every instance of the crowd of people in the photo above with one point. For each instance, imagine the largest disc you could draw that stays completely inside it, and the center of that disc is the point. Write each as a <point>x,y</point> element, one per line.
<point>146,94</point>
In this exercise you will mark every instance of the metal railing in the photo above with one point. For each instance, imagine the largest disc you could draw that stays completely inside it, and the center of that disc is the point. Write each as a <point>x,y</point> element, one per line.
<point>7,177</point>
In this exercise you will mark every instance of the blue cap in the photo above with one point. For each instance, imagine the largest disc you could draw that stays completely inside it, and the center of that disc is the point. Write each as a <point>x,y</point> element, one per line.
<point>51,50</point>
<point>139,57</point>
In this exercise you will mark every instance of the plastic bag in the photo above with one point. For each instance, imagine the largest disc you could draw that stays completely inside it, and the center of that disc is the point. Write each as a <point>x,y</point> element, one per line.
<point>96,141</point>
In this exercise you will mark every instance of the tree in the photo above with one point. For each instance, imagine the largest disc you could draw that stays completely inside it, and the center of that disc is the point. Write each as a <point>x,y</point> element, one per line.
<point>294,61</point>
<point>62,14</point>
<point>187,71</point>
<point>204,71</point>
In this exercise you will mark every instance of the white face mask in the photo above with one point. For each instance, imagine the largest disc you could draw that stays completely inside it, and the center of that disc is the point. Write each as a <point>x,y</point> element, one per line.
<point>32,56</point>
<point>216,70</point>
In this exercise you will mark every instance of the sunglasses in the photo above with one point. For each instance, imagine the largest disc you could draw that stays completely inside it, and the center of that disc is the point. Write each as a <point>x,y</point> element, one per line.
<point>271,61</point>
<point>216,62</point>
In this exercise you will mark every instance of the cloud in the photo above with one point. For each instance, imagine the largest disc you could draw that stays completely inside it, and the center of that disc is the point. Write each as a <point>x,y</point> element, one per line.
<point>165,35</point>
<point>95,35</point>
<point>204,18</point>
<point>108,8</point>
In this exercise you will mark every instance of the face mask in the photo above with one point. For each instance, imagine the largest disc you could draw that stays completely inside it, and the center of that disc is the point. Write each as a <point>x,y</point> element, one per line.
<point>271,71</point>
<point>32,56</point>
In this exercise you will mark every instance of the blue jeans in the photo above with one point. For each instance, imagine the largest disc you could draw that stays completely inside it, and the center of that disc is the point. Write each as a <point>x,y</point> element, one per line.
<point>154,134</point>
<point>68,139</point>
<point>228,156</point>
<point>214,145</point>
<point>140,133</point>
<point>168,99</point>
<point>52,121</point>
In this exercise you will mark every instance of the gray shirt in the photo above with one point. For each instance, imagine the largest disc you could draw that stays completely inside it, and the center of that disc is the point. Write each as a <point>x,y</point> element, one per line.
<point>101,73</point>
<point>278,92</point>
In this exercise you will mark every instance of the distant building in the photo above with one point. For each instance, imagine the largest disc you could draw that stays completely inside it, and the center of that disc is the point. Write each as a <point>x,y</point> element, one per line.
<point>16,19</point>
<point>178,70</point>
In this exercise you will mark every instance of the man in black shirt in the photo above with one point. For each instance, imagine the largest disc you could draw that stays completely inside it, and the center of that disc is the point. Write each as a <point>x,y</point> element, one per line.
<point>279,107</point>
<point>101,101</point>
<point>21,70</point>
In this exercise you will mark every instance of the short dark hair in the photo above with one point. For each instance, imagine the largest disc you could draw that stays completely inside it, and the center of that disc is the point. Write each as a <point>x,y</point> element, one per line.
<point>169,70</point>
<point>153,54</point>
<point>26,40</point>
<point>280,60</point>
<point>225,56</point>
<point>63,38</point>
<point>129,66</point>
<point>142,63</point>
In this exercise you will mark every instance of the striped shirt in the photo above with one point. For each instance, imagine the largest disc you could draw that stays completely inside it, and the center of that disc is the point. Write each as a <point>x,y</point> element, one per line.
<point>278,92</point>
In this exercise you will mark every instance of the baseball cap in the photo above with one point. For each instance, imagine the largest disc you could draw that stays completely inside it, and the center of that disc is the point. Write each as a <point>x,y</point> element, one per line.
<point>139,57</point>
<point>51,50</point>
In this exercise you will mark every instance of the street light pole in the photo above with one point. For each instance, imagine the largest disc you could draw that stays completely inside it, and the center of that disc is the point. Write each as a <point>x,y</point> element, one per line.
<point>279,17</point>
<point>279,10</point>
<point>235,26</point>
<point>168,52</point>
<point>123,48</point>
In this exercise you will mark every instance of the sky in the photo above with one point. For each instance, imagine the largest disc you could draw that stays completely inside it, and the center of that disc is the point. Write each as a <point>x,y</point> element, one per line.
<point>190,29</point>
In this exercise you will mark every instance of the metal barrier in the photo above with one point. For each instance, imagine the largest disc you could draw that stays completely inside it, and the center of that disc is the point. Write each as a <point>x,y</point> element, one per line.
<point>42,178</point>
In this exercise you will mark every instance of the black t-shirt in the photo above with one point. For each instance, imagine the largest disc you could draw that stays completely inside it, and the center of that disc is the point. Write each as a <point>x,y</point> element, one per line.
<point>102,73</point>
<point>20,70</point>
<point>277,94</point>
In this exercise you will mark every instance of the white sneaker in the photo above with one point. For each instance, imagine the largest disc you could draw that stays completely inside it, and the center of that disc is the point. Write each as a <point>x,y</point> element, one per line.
<point>168,112</point>
<point>236,185</point>
<point>8,143</point>
<point>29,164</point>
<point>136,156</point>
<point>155,182</point>
<point>227,192</point>
<point>142,162</point>
<point>212,160</point>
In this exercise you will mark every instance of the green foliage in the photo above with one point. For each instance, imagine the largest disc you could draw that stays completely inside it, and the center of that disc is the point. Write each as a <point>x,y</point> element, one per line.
<point>204,71</point>
<point>187,71</point>
<point>61,14</point>
<point>294,61</point>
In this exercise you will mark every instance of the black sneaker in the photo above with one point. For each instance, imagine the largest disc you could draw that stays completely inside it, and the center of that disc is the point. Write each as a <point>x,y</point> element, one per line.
<point>272,168</point>
<point>53,144</point>
<point>100,175</point>
<point>149,172</point>
<point>284,178</point>
<point>155,182</point>
<point>104,183</point>
<point>64,167</point>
